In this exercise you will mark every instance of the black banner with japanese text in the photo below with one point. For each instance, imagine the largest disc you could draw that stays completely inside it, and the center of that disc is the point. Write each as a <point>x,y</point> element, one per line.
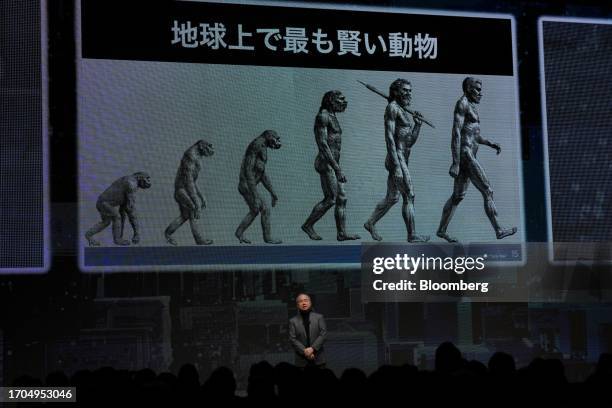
<point>297,37</point>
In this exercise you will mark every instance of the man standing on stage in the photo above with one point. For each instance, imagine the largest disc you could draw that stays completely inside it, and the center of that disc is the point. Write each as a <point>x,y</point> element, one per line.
<point>307,333</point>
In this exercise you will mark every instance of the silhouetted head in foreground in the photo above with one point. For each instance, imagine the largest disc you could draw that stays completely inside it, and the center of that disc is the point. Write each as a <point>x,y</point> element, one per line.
<point>448,358</point>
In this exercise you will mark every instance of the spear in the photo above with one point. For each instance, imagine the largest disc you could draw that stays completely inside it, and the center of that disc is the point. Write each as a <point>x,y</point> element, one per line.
<point>413,113</point>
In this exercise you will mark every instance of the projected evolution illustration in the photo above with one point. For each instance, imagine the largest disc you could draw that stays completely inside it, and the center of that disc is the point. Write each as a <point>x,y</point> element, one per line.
<point>295,134</point>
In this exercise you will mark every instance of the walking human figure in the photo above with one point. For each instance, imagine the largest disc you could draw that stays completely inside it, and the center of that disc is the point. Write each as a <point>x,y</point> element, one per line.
<point>401,133</point>
<point>328,135</point>
<point>465,167</point>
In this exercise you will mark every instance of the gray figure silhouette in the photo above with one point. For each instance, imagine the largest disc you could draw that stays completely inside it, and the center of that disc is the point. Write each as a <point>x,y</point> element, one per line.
<point>328,135</point>
<point>188,196</point>
<point>400,136</point>
<point>253,172</point>
<point>465,167</point>
<point>115,204</point>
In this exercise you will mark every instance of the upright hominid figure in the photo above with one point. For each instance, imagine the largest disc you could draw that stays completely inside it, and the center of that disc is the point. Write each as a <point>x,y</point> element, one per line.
<point>328,135</point>
<point>402,129</point>
<point>465,168</point>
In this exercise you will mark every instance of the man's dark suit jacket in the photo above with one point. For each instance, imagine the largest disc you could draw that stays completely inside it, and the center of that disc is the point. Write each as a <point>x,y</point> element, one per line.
<point>318,334</point>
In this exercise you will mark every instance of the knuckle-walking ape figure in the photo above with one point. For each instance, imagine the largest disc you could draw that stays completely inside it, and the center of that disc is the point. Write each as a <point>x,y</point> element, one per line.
<point>115,204</point>
<point>328,135</point>
<point>465,167</point>
<point>253,172</point>
<point>188,196</point>
<point>400,136</point>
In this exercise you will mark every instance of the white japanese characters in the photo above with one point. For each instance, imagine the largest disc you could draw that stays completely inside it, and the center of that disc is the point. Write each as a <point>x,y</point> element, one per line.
<point>297,40</point>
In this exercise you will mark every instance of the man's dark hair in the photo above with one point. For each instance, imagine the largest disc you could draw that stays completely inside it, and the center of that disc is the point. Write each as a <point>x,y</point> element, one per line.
<point>395,87</point>
<point>327,103</point>
<point>469,82</point>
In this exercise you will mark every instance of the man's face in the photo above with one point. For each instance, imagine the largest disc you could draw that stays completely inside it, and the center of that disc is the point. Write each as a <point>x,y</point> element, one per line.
<point>475,92</point>
<point>405,95</point>
<point>339,104</point>
<point>303,303</point>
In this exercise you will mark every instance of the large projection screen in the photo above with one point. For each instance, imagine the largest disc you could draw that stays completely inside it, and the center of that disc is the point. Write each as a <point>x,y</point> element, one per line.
<point>151,85</point>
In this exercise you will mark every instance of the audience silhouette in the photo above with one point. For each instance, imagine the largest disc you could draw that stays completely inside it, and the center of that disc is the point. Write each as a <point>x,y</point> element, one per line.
<point>454,380</point>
